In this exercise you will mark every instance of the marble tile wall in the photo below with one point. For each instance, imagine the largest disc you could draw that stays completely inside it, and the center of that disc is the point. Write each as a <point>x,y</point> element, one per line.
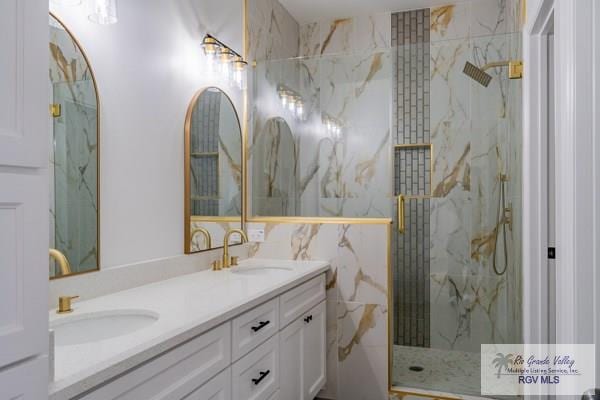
<point>335,172</point>
<point>476,133</point>
<point>356,299</point>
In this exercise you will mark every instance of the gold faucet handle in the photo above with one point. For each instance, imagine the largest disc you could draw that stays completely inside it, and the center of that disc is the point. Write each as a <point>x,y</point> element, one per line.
<point>64,304</point>
<point>235,260</point>
<point>217,265</point>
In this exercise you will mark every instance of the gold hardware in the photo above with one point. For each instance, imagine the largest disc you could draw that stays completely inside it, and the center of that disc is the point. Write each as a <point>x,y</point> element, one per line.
<point>226,259</point>
<point>515,70</point>
<point>61,260</point>
<point>64,304</point>
<point>235,260</point>
<point>55,110</point>
<point>401,220</point>
<point>217,265</point>
<point>508,218</point>
<point>515,67</point>
<point>206,234</point>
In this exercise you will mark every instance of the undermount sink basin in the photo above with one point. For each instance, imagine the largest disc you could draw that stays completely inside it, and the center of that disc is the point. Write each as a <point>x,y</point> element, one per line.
<point>102,325</point>
<point>260,270</point>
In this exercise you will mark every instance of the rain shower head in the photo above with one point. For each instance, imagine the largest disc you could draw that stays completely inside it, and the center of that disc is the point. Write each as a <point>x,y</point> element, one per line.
<point>477,74</point>
<point>515,71</point>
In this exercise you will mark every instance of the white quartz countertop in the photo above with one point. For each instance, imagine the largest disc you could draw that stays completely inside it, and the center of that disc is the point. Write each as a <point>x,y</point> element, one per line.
<point>187,306</point>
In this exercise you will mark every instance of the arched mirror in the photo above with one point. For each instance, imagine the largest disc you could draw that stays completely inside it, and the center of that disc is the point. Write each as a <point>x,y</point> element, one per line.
<point>274,167</point>
<point>74,160</point>
<point>213,170</point>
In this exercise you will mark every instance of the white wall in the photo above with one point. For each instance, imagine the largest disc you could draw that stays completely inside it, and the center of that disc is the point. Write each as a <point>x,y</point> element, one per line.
<point>148,66</point>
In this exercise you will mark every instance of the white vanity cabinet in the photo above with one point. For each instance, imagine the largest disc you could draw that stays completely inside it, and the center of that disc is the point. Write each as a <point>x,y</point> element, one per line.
<point>252,356</point>
<point>303,352</point>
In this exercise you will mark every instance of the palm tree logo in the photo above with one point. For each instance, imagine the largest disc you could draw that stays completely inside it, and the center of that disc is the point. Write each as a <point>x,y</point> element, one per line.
<point>502,361</point>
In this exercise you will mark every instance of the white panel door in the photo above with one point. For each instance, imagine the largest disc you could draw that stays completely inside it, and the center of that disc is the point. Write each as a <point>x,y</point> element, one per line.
<point>27,381</point>
<point>315,350</point>
<point>23,83</point>
<point>23,266</point>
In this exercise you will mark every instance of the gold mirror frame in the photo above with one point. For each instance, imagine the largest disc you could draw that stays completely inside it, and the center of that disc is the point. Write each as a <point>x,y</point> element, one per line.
<point>187,244</point>
<point>97,95</point>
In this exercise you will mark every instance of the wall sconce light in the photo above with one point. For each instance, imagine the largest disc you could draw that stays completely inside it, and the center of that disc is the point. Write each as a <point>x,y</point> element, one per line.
<point>230,63</point>
<point>291,101</point>
<point>103,12</point>
<point>332,125</point>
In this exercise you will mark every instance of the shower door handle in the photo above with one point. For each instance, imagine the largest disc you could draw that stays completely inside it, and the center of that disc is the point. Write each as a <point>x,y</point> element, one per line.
<point>401,217</point>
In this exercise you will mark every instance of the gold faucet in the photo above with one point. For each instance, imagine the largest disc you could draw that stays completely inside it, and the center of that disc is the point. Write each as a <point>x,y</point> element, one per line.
<point>61,259</point>
<point>206,234</point>
<point>227,261</point>
<point>64,304</point>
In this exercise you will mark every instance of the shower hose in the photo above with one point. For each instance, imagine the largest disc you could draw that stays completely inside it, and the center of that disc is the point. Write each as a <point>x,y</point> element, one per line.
<point>501,225</point>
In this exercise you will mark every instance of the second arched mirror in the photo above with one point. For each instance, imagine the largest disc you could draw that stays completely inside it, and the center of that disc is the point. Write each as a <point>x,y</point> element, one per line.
<point>213,170</point>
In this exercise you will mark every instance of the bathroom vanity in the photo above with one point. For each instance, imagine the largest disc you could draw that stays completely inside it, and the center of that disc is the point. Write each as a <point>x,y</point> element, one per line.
<point>255,331</point>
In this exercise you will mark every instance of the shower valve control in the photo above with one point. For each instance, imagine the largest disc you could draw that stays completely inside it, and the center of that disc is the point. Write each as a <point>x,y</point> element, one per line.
<point>551,253</point>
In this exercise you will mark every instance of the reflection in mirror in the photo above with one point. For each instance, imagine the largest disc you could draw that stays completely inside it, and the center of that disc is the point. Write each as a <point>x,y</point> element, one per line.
<point>213,170</point>
<point>274,178</point>
<point>74,224</point>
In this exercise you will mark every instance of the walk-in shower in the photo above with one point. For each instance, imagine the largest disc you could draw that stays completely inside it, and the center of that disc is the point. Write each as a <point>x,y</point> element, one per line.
<point>391,126</point>
<point>456,257</point>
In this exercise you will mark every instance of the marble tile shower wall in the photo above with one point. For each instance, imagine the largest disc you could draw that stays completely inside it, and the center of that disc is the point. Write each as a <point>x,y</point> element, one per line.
<point>343,71</point>
<point>356,299</point>
<point>476,134</point>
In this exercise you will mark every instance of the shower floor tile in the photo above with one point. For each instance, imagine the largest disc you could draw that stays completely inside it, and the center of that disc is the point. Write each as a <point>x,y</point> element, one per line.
<point>448,371</point>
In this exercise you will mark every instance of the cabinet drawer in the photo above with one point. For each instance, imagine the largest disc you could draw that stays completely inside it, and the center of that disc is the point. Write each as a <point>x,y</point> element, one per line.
<point>256,375</point>
<point>174,374</point>
<point>254,327</point>
<point>300,299</point>
<point>218,388</point>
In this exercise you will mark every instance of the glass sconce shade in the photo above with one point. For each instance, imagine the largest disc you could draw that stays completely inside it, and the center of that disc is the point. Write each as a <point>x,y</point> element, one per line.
<point>103,12</point>
<point>239,66</point>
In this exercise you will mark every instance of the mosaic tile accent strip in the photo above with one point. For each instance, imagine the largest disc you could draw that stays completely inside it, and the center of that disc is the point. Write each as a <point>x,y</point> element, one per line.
<point>412,176</point>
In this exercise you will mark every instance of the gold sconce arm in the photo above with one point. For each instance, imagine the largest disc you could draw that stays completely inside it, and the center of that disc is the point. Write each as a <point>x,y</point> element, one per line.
<point>401,216</point>
<point>61,260</point>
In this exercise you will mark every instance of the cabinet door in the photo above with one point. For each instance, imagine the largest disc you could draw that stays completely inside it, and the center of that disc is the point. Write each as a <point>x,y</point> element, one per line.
<point>24,83</point>
<point>291,362</point>
<point>26,381</point>
<point>315,353</point>
<point>23,266</point>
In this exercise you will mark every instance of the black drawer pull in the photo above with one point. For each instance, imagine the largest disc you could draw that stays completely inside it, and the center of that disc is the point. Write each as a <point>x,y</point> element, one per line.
<point>260,325</point>
<point>263,375</point>
<point>308,319</point>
